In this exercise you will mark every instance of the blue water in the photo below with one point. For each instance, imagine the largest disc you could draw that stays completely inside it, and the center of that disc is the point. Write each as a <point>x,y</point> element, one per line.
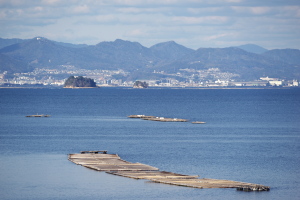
<point>250,136</point>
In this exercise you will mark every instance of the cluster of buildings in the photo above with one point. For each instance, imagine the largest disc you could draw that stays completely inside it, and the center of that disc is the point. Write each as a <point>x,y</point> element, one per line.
<point>211,77</point>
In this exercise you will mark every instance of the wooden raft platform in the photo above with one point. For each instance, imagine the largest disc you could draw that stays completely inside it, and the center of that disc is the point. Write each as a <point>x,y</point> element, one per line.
<point>37,115</point>
<point>113,164</point>
<point>158,119</point>
<point>107,162</point>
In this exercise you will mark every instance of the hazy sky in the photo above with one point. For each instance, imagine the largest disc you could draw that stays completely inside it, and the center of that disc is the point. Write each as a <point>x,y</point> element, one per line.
<point>192,23</point>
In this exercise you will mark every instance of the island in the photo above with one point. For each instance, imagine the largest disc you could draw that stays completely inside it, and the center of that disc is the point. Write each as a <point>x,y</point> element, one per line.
<point>140,84</point>
<point>79,82</point>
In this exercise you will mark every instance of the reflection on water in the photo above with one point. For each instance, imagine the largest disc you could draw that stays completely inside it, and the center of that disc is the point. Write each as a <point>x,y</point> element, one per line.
<point>44,176</point>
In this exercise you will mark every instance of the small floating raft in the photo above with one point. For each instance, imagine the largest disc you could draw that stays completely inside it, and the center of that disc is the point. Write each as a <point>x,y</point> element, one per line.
<point>113,164</point>
<point>38,115</point>
<point>198,122</point>
<point>138,116</point>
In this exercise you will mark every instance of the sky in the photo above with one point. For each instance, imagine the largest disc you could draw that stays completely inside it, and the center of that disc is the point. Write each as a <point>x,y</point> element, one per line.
<point>272,24</point>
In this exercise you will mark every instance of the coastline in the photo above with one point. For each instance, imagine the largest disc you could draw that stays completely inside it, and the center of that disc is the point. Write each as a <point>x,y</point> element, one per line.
<point>174,88</point>
<point>79,87</point>
<point>123,87</point>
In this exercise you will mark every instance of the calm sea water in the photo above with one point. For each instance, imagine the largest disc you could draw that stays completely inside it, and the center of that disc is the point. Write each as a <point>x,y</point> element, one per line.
<point>250,136</point>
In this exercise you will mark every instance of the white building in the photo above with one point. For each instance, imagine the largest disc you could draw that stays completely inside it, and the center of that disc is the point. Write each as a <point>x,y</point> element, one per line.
<point>268,79</point>
<point>295,83</point>
<point>275,83</point>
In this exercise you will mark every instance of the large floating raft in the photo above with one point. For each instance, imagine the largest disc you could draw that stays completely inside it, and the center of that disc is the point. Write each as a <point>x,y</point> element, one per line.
<point>113,164</point>
<point>158,119</point>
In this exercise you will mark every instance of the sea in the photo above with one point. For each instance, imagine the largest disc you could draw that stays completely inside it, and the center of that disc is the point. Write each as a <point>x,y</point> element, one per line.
<point>250,135</point>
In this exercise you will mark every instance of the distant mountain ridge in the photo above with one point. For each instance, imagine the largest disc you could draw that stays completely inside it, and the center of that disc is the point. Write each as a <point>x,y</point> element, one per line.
<point>248,65</point>
<point>170,50</point>
<point>8,42</point>
<point>141,61</point>
<point>40,52</point>
<point>291,56</point>
<point>252,48</point>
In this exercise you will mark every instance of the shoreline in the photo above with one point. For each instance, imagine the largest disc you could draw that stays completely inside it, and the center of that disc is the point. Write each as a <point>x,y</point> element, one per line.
<point>79,87</point>
<point>183,88</point>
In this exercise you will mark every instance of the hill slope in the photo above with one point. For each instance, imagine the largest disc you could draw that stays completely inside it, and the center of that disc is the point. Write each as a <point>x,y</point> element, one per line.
<point>40,52</point>
<point>252,48</point>
<point>12,65</point>
<point>170,50</point>
<point>8,42</point>
<point>291,56</point>
<point>249,66</point>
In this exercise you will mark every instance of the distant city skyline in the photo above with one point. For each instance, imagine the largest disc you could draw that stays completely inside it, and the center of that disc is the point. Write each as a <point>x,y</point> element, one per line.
<point>192,23</point>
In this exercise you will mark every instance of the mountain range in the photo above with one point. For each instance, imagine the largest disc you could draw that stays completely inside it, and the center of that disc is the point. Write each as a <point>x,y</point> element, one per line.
<point>248,61</point>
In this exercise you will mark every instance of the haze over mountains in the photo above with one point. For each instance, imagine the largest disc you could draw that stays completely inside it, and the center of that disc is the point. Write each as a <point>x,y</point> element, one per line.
<point>249,61</point>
